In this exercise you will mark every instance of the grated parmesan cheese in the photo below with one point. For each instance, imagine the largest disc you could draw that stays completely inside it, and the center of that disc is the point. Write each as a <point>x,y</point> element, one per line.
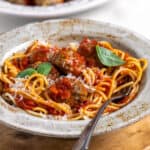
<point>19,84</point>
<point>74,45</point>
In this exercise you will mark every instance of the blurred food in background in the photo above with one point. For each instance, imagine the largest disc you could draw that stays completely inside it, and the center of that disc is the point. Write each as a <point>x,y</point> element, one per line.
<point>37,2</point>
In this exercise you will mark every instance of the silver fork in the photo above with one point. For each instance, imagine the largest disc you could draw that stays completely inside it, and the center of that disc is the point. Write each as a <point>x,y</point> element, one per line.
<point>85,137</point>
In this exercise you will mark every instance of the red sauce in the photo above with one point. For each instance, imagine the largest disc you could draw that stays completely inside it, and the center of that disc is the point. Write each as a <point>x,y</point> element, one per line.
<point>55,112</point>
<point>87,47</point>
<point>15,62</point>
<point>78,64</point>
<point>21,63</point>
<point>91,62</point>
<point>25,103</point>
<point>24,63</point>
<point>54,74</point>
<point>40,53</point>
<point>5,86</point>
<point>61,90</point>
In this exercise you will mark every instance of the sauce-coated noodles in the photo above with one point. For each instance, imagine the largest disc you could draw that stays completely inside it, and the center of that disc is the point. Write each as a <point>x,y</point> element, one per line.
<point>73,81</point>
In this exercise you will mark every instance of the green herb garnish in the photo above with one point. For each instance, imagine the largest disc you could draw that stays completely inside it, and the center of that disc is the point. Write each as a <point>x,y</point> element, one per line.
<point>44,68</point>
<point>26,72</point>
<point>107,58</point>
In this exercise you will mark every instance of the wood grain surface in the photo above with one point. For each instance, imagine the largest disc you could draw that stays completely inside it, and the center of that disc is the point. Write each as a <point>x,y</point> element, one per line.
<point>133,137</point>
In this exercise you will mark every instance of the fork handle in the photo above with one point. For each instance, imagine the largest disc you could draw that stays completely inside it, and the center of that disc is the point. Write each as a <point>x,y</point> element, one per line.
<point>84,140</point>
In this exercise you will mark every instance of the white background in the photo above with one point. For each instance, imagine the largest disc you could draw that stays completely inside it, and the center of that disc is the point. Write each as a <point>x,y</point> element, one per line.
<point>134,14</point>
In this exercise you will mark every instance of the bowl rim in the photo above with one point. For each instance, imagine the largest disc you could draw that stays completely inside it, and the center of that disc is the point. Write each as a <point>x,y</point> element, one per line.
<point>16,10</point>
<point>79,123</point>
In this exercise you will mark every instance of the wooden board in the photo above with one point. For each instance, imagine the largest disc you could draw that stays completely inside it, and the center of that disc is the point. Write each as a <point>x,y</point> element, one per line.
<point>133,137</point>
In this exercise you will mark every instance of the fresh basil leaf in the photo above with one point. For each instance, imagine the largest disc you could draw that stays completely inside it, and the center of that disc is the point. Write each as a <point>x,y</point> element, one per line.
<point>26,72</point>
<point>108,58</point>
<point>44,68</point>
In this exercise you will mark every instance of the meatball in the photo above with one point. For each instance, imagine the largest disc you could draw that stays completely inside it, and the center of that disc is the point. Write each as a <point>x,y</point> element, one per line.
<point>87,47</point>
<point>67,89</point>
<point>61,90</point>
<point>39,53</point>
<point>69,61</point>
<point>54,74</point>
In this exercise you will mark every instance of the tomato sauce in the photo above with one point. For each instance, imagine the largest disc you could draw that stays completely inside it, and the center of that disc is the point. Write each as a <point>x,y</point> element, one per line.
<point>25,103</point>
<point>61,90</point>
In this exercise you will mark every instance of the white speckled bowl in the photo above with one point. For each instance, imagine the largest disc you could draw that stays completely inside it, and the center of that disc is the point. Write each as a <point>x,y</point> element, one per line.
<point>53,11</point>
<point>62,32</point>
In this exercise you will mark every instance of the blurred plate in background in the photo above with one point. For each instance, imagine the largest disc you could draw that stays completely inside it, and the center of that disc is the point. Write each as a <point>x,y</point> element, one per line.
<point>53,11</point>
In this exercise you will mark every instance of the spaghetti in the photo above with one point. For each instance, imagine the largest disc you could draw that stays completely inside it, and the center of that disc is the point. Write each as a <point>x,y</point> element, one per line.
<point>70,82</point>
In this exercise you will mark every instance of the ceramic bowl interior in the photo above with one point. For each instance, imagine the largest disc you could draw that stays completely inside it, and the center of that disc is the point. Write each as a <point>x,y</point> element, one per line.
<point>61,33</point>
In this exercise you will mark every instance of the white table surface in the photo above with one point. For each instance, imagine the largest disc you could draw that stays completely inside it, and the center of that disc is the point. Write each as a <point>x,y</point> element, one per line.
<point>134,14</point>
